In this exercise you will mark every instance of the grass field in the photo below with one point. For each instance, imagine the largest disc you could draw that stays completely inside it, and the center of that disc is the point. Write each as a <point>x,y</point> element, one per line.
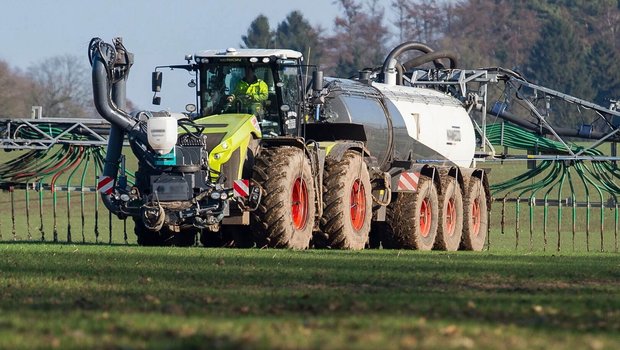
<point>98,296</point>
<point>124,296</point>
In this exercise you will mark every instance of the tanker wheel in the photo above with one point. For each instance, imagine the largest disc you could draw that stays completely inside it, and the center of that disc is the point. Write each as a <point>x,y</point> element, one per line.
<point>285,216</point>
<point>347,202</point>
<point>450,229</point>
<point>412,218</point>
<point>476,222</point>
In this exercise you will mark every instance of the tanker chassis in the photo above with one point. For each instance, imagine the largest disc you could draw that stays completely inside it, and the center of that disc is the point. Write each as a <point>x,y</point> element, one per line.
<point>320,162</point>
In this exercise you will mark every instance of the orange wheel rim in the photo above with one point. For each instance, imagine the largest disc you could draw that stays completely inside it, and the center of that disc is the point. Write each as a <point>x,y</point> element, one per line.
<point>425,217</point>
<point>475,217</point>
<point>358,205</point>
<point>299,206</point>
<point>450,219</point>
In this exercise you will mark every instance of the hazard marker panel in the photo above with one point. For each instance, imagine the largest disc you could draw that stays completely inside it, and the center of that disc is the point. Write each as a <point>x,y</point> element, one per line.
<point>241,188</point>
<point>105,185</point>
<point>408,181</point>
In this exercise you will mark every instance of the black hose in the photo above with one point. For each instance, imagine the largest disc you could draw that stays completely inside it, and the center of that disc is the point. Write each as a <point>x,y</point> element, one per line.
<point>432,56</point>
<point>543,130</point>
<point>417,46</point>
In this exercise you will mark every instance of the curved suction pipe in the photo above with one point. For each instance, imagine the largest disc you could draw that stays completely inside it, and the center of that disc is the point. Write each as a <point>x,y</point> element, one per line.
<point>109,98</point>
<point>432,56</point>
<point>399,50</point>
<point>102,97</point>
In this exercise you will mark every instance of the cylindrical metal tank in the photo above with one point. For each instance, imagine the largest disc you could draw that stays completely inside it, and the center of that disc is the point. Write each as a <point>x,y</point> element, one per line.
<point>404,123</point>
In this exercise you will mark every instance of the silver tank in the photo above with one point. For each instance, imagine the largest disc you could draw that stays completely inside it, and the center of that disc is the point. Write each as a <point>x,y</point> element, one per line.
<point>404,123</point>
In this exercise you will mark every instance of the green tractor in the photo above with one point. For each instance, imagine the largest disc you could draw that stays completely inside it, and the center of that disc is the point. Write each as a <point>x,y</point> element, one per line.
<point>272,156</point>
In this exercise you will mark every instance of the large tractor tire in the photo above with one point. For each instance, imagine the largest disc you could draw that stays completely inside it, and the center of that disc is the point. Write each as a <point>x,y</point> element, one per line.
<point>450,228</point>
<point>347,202</point>
<point>285,216</point>
<point>412,218</point>
<point>476,222</point>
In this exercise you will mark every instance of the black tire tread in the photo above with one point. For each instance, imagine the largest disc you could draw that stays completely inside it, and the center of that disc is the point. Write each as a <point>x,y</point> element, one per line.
<point>335,225</point>
<point>271,224</point>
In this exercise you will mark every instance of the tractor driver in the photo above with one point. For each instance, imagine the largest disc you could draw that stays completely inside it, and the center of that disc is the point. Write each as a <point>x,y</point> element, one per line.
<point>251,92</point>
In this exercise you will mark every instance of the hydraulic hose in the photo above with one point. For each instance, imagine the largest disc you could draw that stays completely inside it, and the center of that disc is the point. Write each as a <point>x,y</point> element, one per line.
<point>541,129</point>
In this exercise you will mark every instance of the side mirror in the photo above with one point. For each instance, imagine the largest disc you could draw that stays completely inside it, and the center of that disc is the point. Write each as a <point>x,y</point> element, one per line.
<point>317,80</point>
<point>156,81</point>
<point>156,100</point>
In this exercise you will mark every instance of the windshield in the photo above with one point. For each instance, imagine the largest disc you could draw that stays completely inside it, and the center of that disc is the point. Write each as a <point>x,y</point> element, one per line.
<point>228,88</point>
<point>273,93</point>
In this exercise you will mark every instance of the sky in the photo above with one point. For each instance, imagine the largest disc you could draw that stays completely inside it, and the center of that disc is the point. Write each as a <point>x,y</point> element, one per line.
<point>158,32</point>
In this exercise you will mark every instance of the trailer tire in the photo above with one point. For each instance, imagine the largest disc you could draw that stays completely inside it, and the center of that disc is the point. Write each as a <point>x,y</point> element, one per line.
<point>476,221</point>
<point>412,218</point>
<point>347,202</point>
<point>450,229</point>
<point>285,216</point>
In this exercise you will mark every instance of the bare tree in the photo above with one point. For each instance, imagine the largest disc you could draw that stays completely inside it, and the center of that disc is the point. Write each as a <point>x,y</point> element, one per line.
<point>61,85</point>
<point>13,86</point>
<point>496,32</point>
<point>359,38</point>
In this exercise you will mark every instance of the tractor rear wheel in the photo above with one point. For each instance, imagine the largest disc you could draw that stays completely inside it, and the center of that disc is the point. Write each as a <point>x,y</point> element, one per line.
<point>347,202</point>
<point>285,216</point>
<point>476,222</point>
<point>450,228</point>
<point>412,218</point>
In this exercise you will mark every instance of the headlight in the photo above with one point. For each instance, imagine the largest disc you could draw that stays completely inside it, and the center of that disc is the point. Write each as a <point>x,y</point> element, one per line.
<point>215,195</point>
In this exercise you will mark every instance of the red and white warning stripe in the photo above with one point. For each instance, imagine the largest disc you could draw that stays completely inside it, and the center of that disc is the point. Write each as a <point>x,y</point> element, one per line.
<point>255,123</point>
<point>408,181</point>
<point>106,184</point>
<point>241,188</point>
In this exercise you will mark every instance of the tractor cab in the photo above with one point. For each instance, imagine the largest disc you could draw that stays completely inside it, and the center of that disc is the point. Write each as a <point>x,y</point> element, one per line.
<point>275,93</point>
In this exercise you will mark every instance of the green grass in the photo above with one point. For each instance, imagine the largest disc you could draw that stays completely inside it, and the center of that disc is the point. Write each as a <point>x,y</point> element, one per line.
<point>85,296</point>
<point>100,296</point>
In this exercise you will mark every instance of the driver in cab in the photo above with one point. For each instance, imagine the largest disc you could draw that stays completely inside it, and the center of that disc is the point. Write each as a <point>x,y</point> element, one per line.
<point>251,92</point>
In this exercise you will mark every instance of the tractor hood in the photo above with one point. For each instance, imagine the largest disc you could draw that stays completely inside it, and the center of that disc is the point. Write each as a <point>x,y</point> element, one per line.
<point>226,135</point>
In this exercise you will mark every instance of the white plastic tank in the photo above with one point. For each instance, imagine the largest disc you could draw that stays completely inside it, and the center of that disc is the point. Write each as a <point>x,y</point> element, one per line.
<point>162,133</point>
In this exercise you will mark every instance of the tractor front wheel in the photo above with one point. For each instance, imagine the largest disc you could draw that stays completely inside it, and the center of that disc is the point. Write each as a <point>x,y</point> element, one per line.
<point>285,217</point>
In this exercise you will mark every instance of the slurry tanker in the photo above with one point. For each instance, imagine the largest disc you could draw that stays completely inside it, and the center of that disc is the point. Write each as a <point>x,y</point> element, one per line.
<point>322,162</point>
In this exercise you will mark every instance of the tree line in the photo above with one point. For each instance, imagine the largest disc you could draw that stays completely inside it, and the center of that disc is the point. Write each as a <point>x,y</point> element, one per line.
<point>60,85</point>
<point>569,45</point>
